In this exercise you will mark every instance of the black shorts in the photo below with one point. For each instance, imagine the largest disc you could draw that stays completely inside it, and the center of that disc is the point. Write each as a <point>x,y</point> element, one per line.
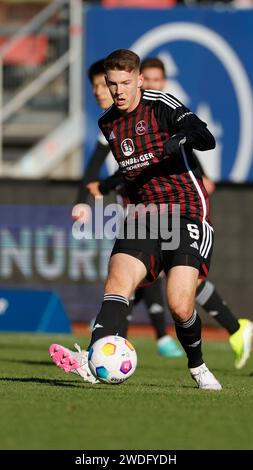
<point>191,247</point>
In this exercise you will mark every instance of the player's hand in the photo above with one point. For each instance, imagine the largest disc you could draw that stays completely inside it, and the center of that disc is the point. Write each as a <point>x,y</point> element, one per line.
<point>172,146</point>
<point>93,189</point>
<point>81,212</point>
<point>209,185</point>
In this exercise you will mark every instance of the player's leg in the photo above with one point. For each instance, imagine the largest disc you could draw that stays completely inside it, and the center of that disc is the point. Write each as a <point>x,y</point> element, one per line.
<point>125,274</point>
<point>181,289</point>
<point>128,266</point>
<point>184,265</point>
<point>181,285</point>
<point>210,300</point>
<point>154,302</point>
<point>134,300</point>
<point>240,330</point>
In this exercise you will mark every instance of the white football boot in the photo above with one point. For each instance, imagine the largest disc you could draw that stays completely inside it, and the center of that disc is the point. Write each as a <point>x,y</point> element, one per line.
<point>204,378</point>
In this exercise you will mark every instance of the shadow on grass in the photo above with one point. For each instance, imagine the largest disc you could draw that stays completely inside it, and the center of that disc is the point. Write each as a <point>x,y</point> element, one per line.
<point>51,382</point>
<point>232,371</point>
<point>24,347</point>
<point>29,362</point>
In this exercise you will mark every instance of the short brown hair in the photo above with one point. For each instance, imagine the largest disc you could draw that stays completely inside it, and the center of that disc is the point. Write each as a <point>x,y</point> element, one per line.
<point>122,59</point>
<point>153,62</point>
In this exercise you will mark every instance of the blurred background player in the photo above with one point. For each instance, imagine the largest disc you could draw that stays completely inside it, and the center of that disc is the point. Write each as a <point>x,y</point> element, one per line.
<point>101,153</point>
<point>240,330</point>
<point>152,295</point>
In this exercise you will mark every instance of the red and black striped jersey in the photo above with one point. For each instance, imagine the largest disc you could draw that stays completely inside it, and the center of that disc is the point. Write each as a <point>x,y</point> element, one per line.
<point>153,147</point>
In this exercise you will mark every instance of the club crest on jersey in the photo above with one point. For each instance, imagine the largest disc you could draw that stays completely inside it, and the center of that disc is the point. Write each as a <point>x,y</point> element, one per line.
<point>141,127</point>
<point>127,147</point>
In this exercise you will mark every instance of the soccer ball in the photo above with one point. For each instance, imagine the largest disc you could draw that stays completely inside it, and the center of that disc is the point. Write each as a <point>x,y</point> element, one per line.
<point>112,359</point>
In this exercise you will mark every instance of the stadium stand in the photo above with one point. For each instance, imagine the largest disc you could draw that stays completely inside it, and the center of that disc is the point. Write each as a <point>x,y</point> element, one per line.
<point>35,40</point>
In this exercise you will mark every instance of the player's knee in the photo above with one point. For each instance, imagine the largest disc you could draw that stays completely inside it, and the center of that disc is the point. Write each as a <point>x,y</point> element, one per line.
<point>181,310</point>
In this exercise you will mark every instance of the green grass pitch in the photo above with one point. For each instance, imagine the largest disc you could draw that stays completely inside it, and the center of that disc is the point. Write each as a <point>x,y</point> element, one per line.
<point>160,407</point>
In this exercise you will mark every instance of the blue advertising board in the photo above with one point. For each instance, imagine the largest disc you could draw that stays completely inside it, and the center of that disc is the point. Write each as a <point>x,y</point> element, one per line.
<point>208,65</point>
<point>57,272</point>
<point>31,310</point>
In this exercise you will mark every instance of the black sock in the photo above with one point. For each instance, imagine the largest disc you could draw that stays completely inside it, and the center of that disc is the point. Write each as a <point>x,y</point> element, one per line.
<point>208,298</point>
<point>154,301</point>
<point>112,318</point>
<point>189,335</point>
<point>128,318</point>
<point>157,319</point>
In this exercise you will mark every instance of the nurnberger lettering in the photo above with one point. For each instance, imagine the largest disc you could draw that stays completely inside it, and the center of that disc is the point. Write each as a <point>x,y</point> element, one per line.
<point>141,158</point>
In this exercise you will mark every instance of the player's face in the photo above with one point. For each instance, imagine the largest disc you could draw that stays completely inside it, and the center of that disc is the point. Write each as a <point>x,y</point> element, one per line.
<point>101,91</point>
<point>125,88</point>
<point>153,79</point>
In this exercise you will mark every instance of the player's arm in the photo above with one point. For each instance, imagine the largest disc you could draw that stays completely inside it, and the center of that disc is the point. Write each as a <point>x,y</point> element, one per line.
<point>105,186</point>
<point>183,125</point>
<point>92,171</point>
<point>111,183</point>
